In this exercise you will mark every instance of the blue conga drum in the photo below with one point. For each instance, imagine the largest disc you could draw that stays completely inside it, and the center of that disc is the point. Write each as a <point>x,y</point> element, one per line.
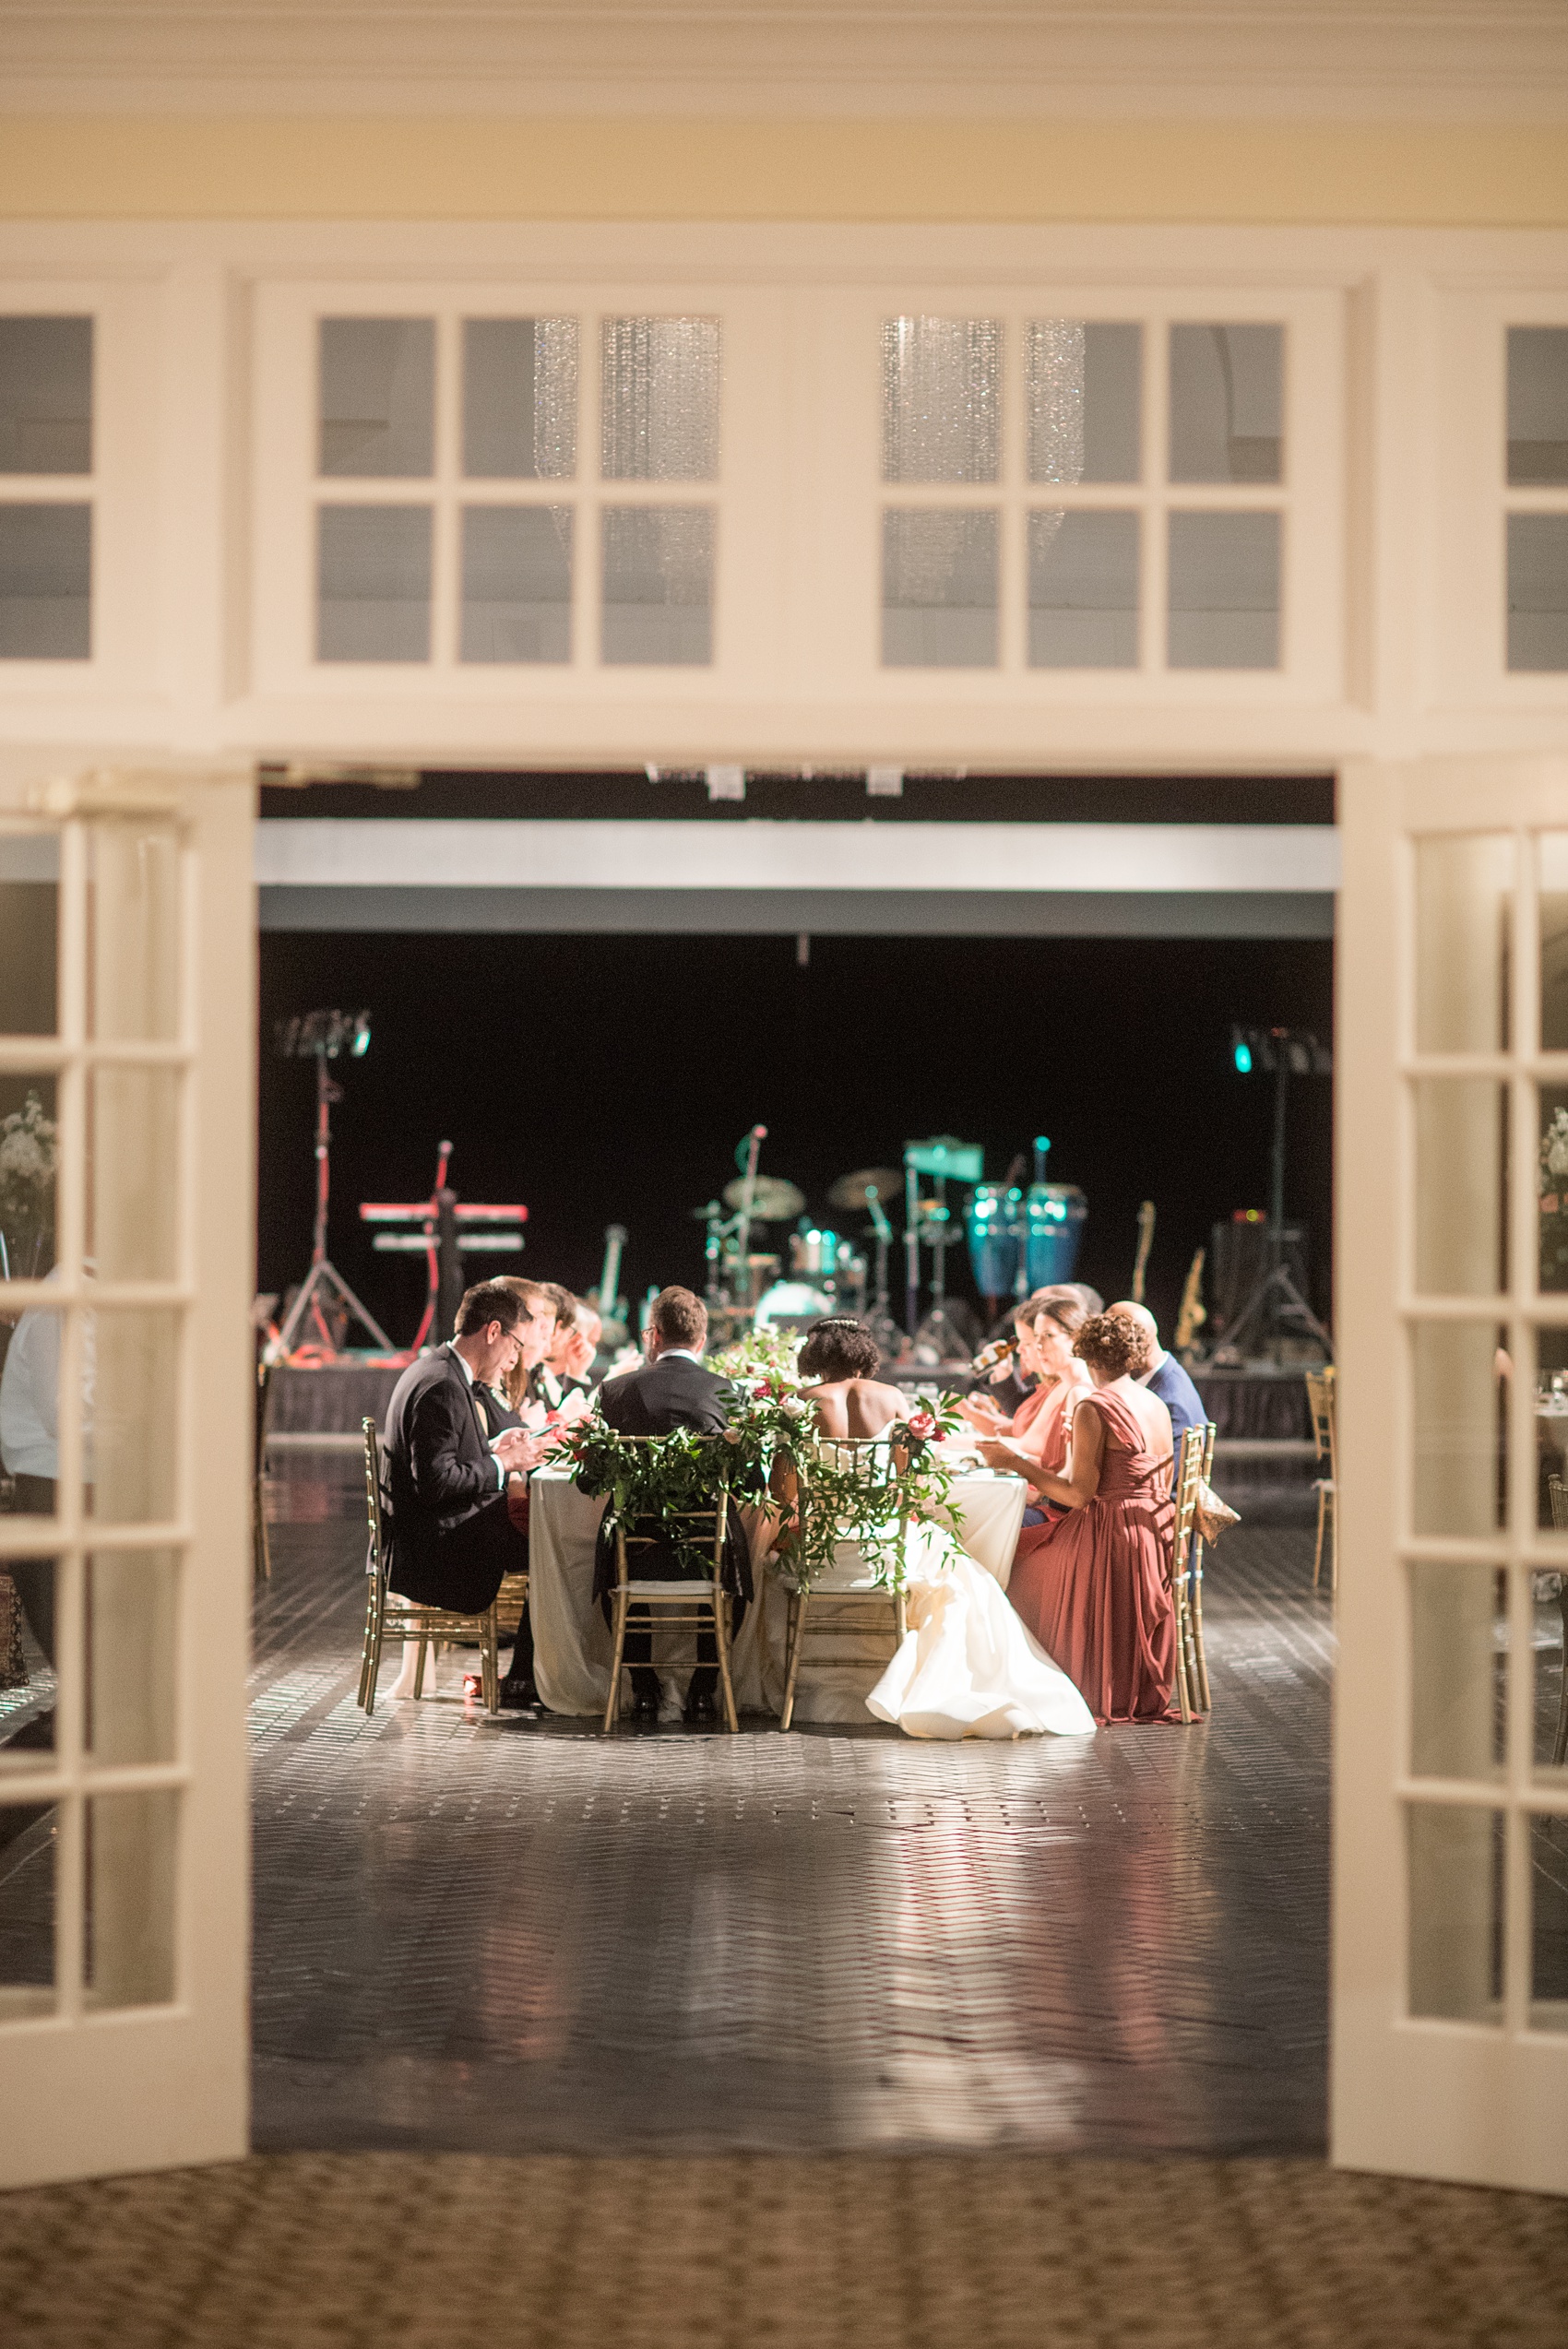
<point>1054,1223</point>
<point>993,1221</point>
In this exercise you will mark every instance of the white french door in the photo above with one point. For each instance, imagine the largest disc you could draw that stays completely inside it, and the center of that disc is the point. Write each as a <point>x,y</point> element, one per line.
<point>126,1089</point>
<point>1450,2001</point>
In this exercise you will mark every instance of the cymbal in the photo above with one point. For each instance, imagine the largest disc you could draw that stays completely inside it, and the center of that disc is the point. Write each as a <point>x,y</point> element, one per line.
<point>850,1190</point>
<point>774,1201</point>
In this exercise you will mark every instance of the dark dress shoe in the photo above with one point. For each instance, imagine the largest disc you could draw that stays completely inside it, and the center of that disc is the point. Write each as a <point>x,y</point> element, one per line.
<point>645,1704</point>
<point>519,1696</point>
<point>701,1712</point>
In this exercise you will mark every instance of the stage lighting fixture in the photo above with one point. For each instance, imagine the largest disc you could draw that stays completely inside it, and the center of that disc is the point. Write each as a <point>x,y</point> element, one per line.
<point>1277,1304</point>
<point>323,1036</point>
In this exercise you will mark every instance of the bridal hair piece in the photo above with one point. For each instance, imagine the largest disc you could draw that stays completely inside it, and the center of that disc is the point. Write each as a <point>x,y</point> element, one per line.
<point>839,1347</point>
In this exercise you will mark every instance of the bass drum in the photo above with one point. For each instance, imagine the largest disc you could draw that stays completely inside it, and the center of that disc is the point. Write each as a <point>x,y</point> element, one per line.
<point>993,1220</point>
<point>1054,1223</point>
<point>791,1305</point>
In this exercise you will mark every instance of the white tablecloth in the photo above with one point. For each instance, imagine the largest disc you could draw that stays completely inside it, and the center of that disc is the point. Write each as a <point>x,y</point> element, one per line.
<point>572,1643</point>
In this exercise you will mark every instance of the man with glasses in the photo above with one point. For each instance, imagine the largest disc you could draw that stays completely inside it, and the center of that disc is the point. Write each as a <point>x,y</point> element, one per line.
<point>452,1533</point>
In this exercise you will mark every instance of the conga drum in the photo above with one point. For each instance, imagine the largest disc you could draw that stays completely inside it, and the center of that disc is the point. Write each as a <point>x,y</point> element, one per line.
<point>1054,1223</point>
<point>993,1223</point>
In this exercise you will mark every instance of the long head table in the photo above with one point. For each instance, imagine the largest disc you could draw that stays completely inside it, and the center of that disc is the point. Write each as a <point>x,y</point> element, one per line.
<point>572,1642</point>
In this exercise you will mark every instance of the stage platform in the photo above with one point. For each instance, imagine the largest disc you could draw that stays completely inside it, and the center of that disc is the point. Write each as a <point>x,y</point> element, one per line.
<point>1264,1456</point>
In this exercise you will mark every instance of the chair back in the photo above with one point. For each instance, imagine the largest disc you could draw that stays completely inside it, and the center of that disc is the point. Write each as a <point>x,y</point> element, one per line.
<point>697,1529</point>
<point>871,1460</point>
<point>1320,1403</point>
<point>1189,1483</point>
<point>1558,1496</point>
<point>377,1560</point>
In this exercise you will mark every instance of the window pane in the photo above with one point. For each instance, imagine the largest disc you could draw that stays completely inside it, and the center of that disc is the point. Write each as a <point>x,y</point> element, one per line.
<point>939,589</point>
<point>1552,1435</point>
<point>1549,1594</point>
<point>1552,1188</point>
<point>1549,1924</point>
<point>940,399</point>
<point>1082,394</point>
<point>1224,591</point>
<point>658,572</point>
<point>377,396</point>
<point>29,893</point>
<point>133,1172</point>
<point>1083,590</point>
<point>1538,591</point>
<point>45,395</point>
<point>1553,942</point>
<point>1458,1670</point>
<point>520,399</point>
<point>1463,881</point>
<point>1461,1187</point>
<point>129,1958</point>
<point>134,902</point>
<point>27,1667</point>
<point>1461,1420</point>
<point>373,574</point>
<point>660,400</point>
<point>1455,1879</point>
<point>1227,403</point>
<point>45,582</point>
<point>27,1911</point>
<point>130,1627</point>
<point>132,1374</point>
<point>517,583</point>
<point>1538,404</point>
<point>30,1149</point>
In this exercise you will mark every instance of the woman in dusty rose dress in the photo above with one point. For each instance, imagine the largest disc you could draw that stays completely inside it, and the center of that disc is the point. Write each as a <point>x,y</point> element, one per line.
<point>1093,1588</point>
<point>1039,1433</point>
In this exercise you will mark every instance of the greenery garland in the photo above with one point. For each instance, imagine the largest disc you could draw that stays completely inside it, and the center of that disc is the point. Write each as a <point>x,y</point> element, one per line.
<point>772,1427</point>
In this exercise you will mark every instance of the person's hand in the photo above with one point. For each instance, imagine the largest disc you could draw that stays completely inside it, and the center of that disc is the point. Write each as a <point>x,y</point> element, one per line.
<point>981,1411</point>
<point>997,1454</point>
<point>518,1451</point>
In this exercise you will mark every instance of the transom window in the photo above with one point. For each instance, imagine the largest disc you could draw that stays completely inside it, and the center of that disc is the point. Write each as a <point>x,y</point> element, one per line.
<point>46,488</point>
<point>477,542</point>
<point>1142,513</point>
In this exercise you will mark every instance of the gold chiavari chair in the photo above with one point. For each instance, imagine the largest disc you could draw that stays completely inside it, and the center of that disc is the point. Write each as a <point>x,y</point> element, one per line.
<point>1322,1402</point>
<point>388,1614</point>
<point>1195,1569</point>
<point>847,1592</point>
<point>261,1547</point>
<point>1559,1499</point>
<point>1189,1477</point>
<point>695,1603</point>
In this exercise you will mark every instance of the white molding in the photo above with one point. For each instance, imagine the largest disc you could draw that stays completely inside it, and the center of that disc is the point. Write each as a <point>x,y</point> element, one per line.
<point>537,853</point>
<point>1408,59</point>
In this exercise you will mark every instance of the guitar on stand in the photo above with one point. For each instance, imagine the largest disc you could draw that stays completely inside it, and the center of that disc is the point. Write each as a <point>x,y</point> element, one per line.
<point>612,1308</point>
<point>1145,1242</point>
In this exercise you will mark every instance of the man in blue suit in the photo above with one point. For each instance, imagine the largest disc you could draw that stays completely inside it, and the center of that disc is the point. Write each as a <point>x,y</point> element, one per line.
<point>1165,1378</point>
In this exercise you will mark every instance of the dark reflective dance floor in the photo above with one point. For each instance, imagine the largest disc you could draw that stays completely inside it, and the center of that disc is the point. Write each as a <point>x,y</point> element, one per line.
<point>508,1937</point>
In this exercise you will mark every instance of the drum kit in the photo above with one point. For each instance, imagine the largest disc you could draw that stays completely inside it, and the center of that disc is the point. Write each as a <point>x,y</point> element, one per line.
<point>1020,1238</point>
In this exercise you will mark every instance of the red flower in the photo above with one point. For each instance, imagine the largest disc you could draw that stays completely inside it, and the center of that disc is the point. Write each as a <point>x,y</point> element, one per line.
<point>920,1423</point>
<point>762,1391</point>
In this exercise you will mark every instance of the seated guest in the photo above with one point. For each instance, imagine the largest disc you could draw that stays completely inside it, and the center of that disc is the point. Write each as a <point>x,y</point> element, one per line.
<point>567,1368</point>
<point>1046,1322</point>
<point>671,1390</point>
<point>452,1534</point>
<point>1164,1376</point>
<point>1042,1433</point>
<point>1093,1589</point>
<point>842,1358</point>
<point>536,1335</point>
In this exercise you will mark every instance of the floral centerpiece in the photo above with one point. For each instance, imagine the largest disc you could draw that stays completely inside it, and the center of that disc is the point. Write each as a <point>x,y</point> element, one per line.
<point>764,1353</point>
<point>29,1150</point>
<point>770,1450</point>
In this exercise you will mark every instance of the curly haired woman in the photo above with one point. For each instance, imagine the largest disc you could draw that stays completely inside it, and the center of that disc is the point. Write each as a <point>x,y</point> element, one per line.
<point>1093,1587</point>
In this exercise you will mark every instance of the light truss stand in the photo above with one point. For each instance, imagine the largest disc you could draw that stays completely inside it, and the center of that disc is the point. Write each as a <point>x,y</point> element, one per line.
<point>323,1281</point>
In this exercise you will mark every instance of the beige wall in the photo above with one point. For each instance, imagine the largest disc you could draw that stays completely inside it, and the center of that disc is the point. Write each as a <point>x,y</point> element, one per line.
<point>198,167</point>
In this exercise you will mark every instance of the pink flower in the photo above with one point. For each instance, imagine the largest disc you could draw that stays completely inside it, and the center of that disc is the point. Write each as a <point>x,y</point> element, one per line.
<point>921,1424</point>
<point>762,1391</point>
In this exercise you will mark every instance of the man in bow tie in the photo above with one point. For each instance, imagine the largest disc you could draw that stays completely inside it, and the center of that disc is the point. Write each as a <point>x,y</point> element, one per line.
<point>452,1535</point>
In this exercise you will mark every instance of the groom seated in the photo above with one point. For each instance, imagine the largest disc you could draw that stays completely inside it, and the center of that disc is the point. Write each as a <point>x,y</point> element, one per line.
<point>671,1390</point>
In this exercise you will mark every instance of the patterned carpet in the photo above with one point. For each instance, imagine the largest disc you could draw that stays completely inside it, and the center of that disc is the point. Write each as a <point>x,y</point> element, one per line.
<point>415,2251</point>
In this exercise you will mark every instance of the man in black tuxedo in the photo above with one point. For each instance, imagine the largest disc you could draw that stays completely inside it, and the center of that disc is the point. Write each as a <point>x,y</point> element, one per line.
<point>673,1390</point>
<point>452,1534</point>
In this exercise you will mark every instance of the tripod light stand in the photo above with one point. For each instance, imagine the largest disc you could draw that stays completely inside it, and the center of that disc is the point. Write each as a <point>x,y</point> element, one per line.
<point>1282,1053</point>
<point>322,1036</point>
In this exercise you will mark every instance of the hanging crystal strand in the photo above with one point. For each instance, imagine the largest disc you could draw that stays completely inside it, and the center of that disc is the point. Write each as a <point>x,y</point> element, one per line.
<point>1054,397</point>
<point>555,399</point>
<point>940,399</point>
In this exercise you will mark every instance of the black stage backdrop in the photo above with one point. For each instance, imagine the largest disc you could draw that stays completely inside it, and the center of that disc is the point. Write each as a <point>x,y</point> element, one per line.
<point>607,1079</point>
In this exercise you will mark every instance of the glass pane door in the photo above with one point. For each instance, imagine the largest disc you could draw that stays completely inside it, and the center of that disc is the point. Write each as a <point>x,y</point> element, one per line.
<point>1451,1994</point>
<point>125,1046</point>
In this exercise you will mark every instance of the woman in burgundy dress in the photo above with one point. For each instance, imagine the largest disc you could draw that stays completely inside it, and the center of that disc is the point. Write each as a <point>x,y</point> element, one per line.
<point>1093,1588</point>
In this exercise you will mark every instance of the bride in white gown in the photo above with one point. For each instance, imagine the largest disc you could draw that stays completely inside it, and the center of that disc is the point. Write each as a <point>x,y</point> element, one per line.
<point>967,1667</point>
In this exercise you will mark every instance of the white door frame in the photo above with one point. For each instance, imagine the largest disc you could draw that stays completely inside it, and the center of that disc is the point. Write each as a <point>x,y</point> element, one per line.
<point>1483,2097</point>
<point>110,2073</point>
